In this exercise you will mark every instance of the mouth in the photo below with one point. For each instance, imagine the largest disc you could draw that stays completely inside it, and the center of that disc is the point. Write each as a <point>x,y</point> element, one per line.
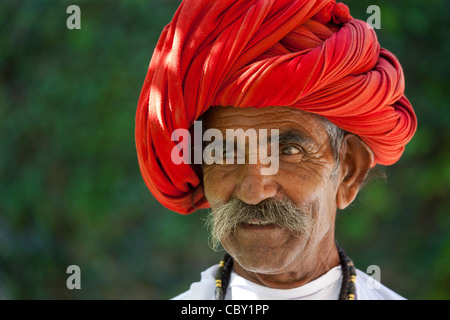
<point>258,225</point>
<point>257,222</point>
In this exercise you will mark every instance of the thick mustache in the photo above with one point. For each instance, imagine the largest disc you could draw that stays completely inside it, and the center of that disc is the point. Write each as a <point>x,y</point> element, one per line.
<point>223,221</point>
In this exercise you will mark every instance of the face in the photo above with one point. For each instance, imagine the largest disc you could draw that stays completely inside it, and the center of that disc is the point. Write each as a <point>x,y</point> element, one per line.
<point>304,179</point>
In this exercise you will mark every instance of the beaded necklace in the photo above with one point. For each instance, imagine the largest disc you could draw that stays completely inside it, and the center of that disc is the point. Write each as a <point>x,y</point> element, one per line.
<point>348,287</point>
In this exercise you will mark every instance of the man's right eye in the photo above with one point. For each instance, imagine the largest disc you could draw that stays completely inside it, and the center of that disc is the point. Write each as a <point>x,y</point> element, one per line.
<point>222,153</point>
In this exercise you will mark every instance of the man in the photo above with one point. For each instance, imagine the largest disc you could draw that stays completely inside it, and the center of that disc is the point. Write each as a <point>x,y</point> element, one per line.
<point>331,104</point>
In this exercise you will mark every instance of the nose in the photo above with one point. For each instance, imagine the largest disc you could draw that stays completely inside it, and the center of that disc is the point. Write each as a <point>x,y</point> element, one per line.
<point>252,187</point>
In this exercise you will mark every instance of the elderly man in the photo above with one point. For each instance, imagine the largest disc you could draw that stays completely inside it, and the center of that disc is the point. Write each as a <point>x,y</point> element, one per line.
<point>331,105</point>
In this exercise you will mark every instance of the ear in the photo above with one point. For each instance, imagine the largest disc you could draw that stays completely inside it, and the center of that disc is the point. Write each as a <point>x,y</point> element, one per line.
<point>356,160</point>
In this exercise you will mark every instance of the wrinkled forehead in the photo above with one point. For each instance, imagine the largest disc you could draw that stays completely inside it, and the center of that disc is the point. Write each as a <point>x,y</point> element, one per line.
<point>282,118</point>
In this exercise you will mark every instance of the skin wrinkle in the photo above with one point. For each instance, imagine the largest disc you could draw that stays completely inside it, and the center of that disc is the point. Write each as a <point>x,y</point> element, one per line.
<point>277,257</point>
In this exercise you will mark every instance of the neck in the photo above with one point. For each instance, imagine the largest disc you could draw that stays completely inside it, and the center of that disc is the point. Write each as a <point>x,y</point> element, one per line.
<point>314,262</point>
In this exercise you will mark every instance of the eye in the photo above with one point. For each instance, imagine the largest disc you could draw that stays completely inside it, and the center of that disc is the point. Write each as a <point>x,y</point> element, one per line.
<point>290,150</point>
<point>222,153</point>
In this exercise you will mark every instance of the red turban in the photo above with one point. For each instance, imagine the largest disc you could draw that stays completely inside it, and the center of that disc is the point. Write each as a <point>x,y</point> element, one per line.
<point>307,54</point>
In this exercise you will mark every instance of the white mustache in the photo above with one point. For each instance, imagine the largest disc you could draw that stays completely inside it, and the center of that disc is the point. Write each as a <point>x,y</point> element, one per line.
<point>223,221</point>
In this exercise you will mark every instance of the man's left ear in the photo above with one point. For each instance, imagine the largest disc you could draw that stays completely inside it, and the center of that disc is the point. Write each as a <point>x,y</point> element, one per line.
<point>356,160</point>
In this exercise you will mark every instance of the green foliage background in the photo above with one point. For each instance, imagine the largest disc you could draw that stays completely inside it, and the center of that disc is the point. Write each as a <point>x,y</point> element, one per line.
<point>70,186</point>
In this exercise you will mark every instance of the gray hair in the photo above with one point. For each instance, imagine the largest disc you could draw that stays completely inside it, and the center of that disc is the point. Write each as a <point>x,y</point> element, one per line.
<point>335,136</point>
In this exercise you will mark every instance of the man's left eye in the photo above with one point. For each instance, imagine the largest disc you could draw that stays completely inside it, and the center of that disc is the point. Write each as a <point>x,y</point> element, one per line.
<point>290,150</point>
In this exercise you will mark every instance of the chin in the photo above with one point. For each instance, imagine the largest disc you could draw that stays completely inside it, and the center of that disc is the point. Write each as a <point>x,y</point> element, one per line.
<point>262,266</point>
<point>264,259</point>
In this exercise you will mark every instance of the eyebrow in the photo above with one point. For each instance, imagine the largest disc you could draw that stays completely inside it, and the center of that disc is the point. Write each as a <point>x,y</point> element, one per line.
<point>288,136</point>
<point>297,136</point>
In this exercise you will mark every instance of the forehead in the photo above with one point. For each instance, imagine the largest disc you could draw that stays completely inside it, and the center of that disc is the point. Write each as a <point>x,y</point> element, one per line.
<point>282,118</point>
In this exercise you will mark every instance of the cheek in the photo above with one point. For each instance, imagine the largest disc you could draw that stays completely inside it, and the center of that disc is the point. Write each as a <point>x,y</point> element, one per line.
<point>218,186</point>
<point>302,186</point>
<point>311,191</point>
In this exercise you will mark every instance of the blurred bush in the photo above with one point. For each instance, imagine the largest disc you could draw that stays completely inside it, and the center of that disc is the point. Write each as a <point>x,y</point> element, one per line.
<point>70,186</point>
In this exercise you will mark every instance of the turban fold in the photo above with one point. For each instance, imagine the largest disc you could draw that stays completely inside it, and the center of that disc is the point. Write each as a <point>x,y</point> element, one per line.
<point>306,54</point>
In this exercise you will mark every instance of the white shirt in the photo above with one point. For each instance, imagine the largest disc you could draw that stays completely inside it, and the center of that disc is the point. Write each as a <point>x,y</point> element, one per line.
<point>326,287</point>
